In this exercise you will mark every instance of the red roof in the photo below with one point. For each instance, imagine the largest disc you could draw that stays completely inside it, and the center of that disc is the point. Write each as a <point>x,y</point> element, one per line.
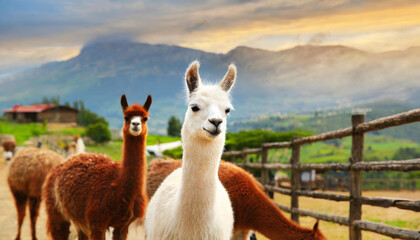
<point>31,108</point>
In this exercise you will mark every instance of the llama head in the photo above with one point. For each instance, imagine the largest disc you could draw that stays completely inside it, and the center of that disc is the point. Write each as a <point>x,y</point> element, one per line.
<point>208,105</point>
<point>135,116</point>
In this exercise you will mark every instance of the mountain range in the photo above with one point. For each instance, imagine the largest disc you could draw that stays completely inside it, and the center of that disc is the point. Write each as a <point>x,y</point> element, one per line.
<point>300,79</point>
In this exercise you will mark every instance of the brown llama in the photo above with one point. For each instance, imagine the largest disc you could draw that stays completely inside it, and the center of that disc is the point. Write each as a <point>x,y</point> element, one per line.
<point>94,192</point>
<point>9,146</point>
<point>27,173</point>
<point>253,210</point>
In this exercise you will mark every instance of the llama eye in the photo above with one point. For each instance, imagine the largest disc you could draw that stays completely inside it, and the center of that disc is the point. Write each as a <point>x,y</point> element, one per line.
<point>227,110</point>
<point>195,109</point>
<point>127,119</point>
<point>145,119</point>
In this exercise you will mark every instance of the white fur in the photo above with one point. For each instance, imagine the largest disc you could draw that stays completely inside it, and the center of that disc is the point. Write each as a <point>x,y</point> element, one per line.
<point>191,203</point>
<point>240,235</point>
<point>135,126</point>
<point>135,231</point>
<point>80,146</point>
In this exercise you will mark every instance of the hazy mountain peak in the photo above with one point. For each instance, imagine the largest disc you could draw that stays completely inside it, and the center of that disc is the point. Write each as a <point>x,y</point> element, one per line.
<point>299,79</point>
<point>323,49</point>
<point>245,49</point>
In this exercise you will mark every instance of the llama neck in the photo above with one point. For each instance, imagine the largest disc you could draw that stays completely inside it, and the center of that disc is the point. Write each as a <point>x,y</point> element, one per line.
<point>272,223</point>
<point>132,177</point>
<point>200,164</point>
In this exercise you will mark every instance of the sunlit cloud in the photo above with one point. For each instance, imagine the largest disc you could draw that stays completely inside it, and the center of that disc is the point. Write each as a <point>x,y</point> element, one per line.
<point>51,30</point>
<point>34,56</point>
<point>392,22</point>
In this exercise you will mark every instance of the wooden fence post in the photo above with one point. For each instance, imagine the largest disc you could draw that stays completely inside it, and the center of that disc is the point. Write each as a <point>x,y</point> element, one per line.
<point>264,171</point>
<point>295,181</point>
<point>244,160</point>
<point>356,178</point>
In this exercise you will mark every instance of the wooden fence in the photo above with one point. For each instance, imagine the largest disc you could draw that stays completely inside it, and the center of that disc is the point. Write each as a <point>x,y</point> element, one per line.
<point>355,165</point>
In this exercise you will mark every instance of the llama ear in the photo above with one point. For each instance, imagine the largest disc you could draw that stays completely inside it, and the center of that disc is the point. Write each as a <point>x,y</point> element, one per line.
<point>148,102</point>
<point>315,228</point>
<point>229,78</point>
<point>124,103</point>
<point>192,77</point>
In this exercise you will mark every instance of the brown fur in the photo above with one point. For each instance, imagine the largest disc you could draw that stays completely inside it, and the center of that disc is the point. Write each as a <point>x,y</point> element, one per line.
<point>27,173</point>
<point>253,210</point>
<point>95,192</point>
<point>9,146</point>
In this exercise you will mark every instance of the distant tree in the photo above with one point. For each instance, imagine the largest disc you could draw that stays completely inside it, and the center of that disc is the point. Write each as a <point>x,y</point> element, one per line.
<point>51,100</point>
<point>98,132</point>
<point>76,105</point>
<point>67,104</point>
<point>45,100</point>
<point>174,127</point>
<point>55,100</point>
<point>406,153</point>
<point>82,105</point>
<point>86,118</point>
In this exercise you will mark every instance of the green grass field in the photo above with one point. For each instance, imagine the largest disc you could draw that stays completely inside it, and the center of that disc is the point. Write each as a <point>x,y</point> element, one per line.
<point>113,148</point>
<point>67,131</point>
<point>377,148</point>
<point>22,131</point>
<point>25,131</point>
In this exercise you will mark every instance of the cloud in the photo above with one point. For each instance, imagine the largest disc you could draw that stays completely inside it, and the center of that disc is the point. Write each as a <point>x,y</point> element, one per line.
<point>318,38</point>
<point>215,26</point>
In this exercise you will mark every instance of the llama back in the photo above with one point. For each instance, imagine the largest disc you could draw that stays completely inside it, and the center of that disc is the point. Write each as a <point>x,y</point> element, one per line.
<point>29,168</point>
<point>87,174</point>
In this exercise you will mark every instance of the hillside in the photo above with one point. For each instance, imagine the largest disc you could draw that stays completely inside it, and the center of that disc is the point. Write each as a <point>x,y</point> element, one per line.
<point>332,119</point>
<point>300,79</point>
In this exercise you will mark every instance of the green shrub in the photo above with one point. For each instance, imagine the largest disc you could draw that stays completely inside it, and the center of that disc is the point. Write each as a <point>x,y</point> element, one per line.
<point>98,132</point>
<point>175,153</point>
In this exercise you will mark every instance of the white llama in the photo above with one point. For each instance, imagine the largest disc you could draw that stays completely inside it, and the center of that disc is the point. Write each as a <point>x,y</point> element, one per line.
<point>191,203</point>
<point>80,145</point>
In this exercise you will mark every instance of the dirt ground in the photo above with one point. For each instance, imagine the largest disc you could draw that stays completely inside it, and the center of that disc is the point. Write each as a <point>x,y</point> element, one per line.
<point>391,216</point>
<point>8,221</point>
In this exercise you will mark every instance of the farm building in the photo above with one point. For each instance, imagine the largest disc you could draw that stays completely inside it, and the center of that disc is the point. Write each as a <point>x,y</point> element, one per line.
<point>42,112</point>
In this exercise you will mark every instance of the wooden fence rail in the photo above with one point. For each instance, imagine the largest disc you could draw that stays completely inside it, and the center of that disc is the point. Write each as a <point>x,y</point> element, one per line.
<point>355,166</point>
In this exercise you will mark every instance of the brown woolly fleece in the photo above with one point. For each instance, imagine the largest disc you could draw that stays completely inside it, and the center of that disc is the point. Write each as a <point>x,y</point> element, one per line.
<point>95,193</point>
<point>27,173</point>
<point>9,146</point>
<point>253,210</point>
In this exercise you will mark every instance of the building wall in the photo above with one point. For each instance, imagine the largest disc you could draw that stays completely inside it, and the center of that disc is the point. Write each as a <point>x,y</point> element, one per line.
<point>58,115</point>
<point>22,117</point>
<point>9,116</point>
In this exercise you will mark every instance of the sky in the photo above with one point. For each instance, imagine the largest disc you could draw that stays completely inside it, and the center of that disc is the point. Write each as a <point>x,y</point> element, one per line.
<point>36,32</point>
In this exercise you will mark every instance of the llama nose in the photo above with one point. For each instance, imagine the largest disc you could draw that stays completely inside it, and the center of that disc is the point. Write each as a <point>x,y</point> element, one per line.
<point>135,124</point>
<point>216,121</point>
